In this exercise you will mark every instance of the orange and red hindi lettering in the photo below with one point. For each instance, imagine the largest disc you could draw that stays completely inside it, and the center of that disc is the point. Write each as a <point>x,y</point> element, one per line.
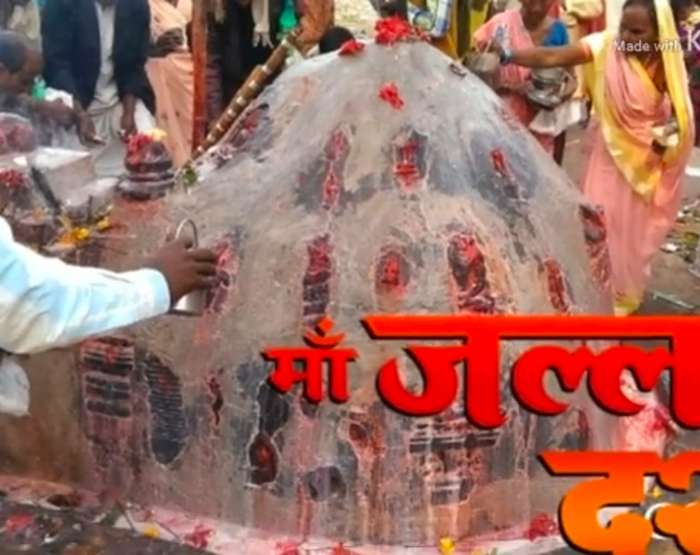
<point>620,482</point>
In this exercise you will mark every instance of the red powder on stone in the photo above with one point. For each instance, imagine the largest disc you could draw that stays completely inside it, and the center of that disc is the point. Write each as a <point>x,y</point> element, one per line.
<point>541,526</point>
<point>390,93</point>
<point>340,549</point>
<point>406,170</point>
<point>351,47</point>
<point>556,287</point>
<point>287,548</point>
<point>331,189</point>
<point>499,162</point>
<point>199,537</point>
<point>16,524</point>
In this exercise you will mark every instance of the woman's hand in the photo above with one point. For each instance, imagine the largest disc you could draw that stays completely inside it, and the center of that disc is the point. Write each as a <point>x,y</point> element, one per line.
<point>169,42</point>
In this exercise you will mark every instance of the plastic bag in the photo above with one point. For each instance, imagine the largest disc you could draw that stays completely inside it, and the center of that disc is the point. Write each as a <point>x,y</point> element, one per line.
<point>16,134</point>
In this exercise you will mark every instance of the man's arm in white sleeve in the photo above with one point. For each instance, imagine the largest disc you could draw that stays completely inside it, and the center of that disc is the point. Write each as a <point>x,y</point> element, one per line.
<point>45,303</point>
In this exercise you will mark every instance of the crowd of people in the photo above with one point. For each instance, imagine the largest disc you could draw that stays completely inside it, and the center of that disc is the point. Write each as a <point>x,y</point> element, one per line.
<point>115,67</point>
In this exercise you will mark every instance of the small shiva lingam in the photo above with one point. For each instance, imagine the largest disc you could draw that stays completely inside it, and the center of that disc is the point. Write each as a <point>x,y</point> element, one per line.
<point>549,86</point>
<point>149,165</point>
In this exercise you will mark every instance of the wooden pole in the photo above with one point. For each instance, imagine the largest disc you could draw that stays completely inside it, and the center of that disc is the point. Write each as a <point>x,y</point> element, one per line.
<point>199,55</point>
<point>253,86</point>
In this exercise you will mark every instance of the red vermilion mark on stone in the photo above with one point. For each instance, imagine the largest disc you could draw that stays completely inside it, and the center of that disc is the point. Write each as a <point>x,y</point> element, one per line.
<point>263,460</point>
<point>596,236</point>
<point>316,284</point>
<point>392,273</point>
<point>541,526</point>
<point>409,159</point>
<point>217,399</point>
<point>468,276</point>
<point>340,549</point>
<point>226,273</point>
<point>498,160</point>
<point>16,524</point>
<point>287,548</point>
<point>247,127</point>
<point>556,286</point>
<point>337,150</point>
<point>390,93</point>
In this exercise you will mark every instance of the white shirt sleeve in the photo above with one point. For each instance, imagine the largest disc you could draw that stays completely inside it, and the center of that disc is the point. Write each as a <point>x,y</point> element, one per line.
<point>45,303</point>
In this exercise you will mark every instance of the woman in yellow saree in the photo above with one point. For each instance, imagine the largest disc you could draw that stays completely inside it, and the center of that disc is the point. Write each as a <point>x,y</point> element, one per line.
<point>641,135</point>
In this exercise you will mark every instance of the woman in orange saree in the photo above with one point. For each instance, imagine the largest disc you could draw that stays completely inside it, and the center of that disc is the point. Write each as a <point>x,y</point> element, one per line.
<point>641,135</point>
<point>171,73</point>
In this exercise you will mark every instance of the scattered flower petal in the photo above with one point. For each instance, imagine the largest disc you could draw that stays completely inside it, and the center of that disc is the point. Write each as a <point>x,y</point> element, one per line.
<point>447,546</point>
<point>151,531</point>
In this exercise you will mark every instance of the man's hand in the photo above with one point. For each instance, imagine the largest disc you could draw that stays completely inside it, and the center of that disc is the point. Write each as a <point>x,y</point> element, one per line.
<point>128,124</point>
<point>185,269</point>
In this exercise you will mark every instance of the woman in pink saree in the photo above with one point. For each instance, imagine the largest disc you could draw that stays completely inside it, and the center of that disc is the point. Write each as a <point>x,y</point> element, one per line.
<point>641,135</point>
<point>171,73</point>
<point>525,27</point>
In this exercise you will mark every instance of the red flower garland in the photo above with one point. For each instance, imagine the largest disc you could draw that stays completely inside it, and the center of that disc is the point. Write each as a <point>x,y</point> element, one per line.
<point>390,93</point>
<point>199,537</point>
<point>12,179</point>
<point>541,526</point>
<point>351,47</point>
<point>138,142</point>
<point>394,29</point>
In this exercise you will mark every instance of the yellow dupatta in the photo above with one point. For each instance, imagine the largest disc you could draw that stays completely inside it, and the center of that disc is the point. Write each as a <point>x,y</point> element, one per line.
<point>629,155</point>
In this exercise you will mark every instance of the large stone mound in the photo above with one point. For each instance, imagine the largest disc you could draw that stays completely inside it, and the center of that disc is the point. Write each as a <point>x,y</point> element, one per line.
<point>326,200</point>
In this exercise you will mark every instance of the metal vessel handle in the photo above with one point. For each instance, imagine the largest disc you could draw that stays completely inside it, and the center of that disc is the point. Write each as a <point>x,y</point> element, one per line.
<point>182,225</point>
